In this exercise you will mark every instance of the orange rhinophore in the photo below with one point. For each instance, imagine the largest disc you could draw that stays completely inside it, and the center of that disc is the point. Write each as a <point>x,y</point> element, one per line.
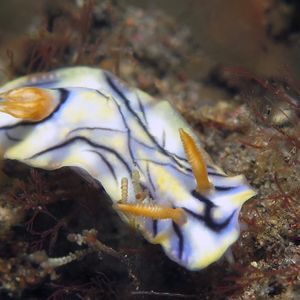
<point>28,103</point>
<point>154,212</point>
<point>196,161</point>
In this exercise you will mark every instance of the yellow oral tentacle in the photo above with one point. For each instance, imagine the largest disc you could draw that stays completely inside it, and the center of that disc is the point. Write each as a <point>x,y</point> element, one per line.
<point>28,103</point>
<point>196,161</point>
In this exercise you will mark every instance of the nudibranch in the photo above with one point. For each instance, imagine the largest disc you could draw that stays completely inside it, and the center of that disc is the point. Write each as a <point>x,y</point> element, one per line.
<point>143,153</point>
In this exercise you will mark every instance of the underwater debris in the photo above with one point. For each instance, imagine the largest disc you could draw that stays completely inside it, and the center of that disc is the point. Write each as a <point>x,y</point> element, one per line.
<point>89,237</point>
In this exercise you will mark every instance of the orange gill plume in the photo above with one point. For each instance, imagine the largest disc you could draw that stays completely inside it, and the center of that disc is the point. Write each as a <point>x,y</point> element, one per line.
<point>196,161</point>
<point>28,103</point>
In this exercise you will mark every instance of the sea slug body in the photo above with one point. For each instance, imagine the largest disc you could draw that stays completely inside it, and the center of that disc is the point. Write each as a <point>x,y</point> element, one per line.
<point>142,152</point>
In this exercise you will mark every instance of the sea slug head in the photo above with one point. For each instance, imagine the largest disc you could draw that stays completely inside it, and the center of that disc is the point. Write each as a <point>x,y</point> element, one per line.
<point>193,215</point>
